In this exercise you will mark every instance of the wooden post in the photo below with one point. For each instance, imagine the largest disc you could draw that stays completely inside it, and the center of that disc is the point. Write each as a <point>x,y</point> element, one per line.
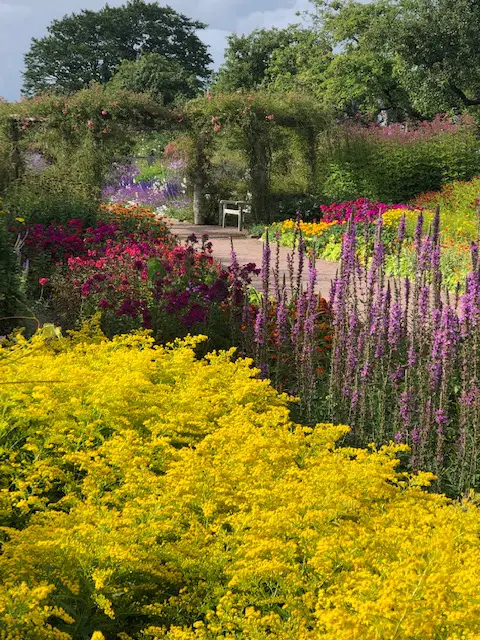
<point>198,198</point>
<point>199,180</point>
<point>15,136</point>
<point>16,157</point>
<point>259,158</point>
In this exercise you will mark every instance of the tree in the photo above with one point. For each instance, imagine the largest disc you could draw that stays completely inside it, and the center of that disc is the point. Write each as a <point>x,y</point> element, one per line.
<point>165,80</point>
<point>283,59</point>
<point>360,76</point>
<point>412,58</point>
<point>438,53</point>
<point>91,45</point>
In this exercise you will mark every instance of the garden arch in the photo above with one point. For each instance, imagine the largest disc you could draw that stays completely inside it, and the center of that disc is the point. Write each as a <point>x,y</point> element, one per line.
<point>253,120</point>
<point>98,120</point>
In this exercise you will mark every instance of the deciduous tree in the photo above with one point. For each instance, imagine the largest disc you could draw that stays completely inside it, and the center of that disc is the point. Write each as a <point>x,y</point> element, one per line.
<point>91,45</point>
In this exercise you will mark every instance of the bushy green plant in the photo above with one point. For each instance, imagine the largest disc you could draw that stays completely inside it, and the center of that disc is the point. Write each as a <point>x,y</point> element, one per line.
<point>395,164</point>
<point>458,202</point>
<point>52,196</point>
<point>153,172</point>
<point>9,277</point>
<point>82,133</point>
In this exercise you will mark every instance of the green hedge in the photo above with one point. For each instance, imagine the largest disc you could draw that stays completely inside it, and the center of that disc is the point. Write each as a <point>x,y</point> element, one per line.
<point>393,165</point>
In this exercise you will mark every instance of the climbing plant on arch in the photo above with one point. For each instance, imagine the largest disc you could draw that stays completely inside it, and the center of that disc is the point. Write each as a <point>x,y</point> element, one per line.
<point>252,120</point>
<point>90,128</point>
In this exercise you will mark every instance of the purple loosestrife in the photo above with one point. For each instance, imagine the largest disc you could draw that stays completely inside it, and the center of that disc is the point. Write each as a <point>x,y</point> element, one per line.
<point>418,233</point>
<point>407,289</point>
<point>308,353</point>
<point>474,254</point>
<point>282,321</point>
<point>260,322</point>
<point>276,270</point>
<point>424,302</point>
<point>395,326</point>
<point>352,353</point>
<point>401,231</point>
<point>301,262</point>
<point>378,258</point>
<point>424,261</point>
<point>301,308</point>
<point>290,269</point>
<point>436,359</point>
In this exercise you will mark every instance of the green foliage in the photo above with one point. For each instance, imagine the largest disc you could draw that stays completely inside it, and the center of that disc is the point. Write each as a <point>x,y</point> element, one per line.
<point>437,56</point>
<point>256,126</point>
<point>354,161</point>
<point>10,284</point>
<point>410,58</point>
<point>165,80</point>
<point>179,211</point>
<point>91,45</point>
<point>54,195</point>
<point>280,59</point>
<point>154,171</point>
<point>459,203</point>
<point>82,134</point>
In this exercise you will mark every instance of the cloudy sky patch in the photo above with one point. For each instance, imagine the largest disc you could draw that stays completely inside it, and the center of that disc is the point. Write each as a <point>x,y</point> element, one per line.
<point>22,20</point>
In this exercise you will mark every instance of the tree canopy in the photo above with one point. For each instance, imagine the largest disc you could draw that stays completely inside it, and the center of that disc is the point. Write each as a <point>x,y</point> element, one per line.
<point>165,80</point>
<point>410,59</point>
<point>90,46</point>
<point>283,59</point>
<point>416,57</point>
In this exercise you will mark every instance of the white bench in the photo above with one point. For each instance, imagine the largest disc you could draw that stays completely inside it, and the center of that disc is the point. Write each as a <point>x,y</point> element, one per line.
<point>232,208</point>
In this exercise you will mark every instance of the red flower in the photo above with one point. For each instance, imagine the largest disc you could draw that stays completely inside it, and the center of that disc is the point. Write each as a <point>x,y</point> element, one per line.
<point>43,281</point>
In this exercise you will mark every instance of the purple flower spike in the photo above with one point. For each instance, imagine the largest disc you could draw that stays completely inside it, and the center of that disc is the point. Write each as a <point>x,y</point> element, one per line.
<point>402,230</point>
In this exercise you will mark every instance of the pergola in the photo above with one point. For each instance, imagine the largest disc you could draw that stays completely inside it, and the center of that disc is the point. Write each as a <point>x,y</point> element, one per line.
<point>253,119</point>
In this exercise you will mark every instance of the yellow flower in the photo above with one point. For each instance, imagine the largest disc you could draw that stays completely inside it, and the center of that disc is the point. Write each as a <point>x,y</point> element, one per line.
<point>157,486</point>
<point>308,228</point>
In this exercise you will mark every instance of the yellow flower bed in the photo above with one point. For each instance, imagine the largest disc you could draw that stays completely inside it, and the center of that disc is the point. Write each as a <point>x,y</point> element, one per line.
<point>308,228</point>
<point>147,494</point>
<point>392,217</point>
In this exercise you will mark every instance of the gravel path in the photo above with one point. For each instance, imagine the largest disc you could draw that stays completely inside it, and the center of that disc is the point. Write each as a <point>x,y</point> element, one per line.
<point>250,250</point>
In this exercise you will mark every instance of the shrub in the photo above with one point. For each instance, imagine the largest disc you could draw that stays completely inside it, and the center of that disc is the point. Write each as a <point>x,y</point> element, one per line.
<point>10,285</point>
<point>161,496</point>
<point>52,196</point>
<point>154,172</point>
<point>458,203</point>
<point>395,164</point>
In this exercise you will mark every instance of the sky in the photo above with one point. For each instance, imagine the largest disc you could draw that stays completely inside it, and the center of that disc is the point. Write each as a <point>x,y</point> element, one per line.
<point>22,20</point>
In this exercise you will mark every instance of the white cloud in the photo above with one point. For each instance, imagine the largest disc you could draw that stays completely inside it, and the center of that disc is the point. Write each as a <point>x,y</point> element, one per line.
<point>279,18</point>
<point>7,9</point>
<point>20,20</point>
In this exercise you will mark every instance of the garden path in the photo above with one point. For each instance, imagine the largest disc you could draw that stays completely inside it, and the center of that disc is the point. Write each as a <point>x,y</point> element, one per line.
<point>250,250</point>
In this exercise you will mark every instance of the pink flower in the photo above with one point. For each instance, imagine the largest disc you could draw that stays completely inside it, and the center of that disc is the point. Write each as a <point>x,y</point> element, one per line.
<point>91,123</point>
<point>104,113</point>
<point>43,281</point>
<point>270,117</point>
